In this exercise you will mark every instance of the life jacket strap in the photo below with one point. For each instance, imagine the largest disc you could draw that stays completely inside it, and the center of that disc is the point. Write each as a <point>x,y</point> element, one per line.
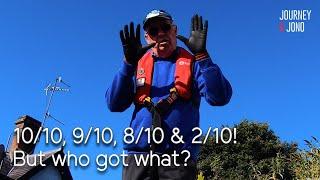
<point>164,105</point>
<point>158,110</point>
<point>156,120</point>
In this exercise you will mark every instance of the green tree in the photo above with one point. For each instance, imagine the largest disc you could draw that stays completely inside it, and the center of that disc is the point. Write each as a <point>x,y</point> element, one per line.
<point>257,154</point>
<point>307,162</point>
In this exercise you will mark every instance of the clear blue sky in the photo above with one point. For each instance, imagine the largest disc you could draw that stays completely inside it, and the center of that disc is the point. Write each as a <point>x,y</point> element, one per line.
<point>275,75</point>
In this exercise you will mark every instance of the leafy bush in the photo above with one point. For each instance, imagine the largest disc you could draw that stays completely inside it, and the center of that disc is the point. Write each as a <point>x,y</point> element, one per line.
<point>306,164</point>
<point>258,154</point>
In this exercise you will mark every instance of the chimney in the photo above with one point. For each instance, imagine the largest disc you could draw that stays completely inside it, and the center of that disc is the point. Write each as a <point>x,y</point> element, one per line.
<point>22,123</point>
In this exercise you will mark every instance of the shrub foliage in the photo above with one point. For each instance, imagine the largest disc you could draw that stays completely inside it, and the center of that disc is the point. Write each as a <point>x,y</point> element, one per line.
<point>257,154</point>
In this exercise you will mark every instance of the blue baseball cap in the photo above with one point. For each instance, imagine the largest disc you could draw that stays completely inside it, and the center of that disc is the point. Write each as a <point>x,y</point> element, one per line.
<point>156,14</point>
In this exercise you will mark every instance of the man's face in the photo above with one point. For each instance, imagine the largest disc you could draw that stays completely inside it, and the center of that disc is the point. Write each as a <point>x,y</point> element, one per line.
<point>163,33</point>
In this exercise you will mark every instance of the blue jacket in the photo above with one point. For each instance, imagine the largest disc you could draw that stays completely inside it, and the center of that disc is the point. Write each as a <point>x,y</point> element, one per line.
<point>208,82</point>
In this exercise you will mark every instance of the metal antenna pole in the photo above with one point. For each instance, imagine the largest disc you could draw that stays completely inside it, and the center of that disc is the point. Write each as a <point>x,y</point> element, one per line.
<point>52,90</point>
<point>49,102</point>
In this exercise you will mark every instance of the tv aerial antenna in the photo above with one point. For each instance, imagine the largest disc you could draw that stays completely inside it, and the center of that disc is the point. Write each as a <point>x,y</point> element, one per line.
<point>58,86</point>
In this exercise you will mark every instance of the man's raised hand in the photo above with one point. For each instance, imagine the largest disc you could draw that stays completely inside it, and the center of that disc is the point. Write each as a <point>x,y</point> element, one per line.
<point>198,36</point>
<point>132,47</point>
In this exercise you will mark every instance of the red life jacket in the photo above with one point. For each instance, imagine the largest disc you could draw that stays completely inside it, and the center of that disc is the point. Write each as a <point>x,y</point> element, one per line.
<point>183,75</point>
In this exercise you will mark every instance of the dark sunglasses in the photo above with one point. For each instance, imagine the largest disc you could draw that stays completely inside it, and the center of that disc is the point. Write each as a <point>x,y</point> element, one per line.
<point>153,31</point>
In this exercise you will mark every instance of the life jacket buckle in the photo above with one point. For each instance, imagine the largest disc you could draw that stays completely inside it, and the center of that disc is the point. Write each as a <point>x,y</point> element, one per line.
<point>172,90</point>
<point>148,102</point>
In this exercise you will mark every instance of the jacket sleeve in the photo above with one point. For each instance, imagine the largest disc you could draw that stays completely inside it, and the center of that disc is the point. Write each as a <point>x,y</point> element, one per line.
<point>211,83</point>
<point>120,94</point>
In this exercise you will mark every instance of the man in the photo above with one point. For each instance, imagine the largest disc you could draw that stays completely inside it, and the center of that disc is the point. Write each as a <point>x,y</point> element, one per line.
<point>165,83</point>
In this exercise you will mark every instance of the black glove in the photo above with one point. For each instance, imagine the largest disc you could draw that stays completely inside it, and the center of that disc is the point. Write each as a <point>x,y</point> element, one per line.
<point>131,43</point>
<point>198,37</point>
